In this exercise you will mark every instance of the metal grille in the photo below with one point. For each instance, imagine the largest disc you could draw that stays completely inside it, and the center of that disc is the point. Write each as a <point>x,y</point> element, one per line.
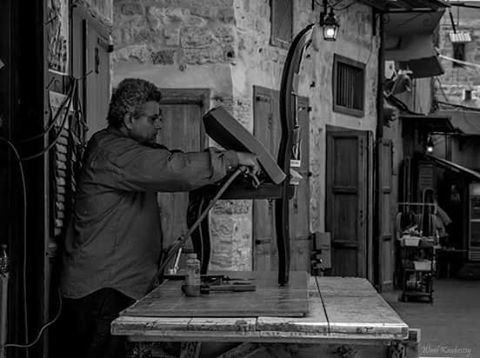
<point>349,88</point>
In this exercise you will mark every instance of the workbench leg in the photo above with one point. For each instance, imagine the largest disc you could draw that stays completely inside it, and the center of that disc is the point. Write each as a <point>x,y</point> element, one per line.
<point>407,348</point>
<point>242,350</point>
<point>190,349</point>
<point>139,350</point>
<point>155,350</point>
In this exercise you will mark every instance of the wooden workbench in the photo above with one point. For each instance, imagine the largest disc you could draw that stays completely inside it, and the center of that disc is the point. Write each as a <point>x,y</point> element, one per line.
<point>346,318</point>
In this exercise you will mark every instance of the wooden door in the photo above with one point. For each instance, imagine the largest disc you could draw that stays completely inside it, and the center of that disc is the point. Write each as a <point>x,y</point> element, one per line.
<point>346,205</point>
<point>91,64</point>
<point>267,129</point>
<point>182,129</point>
<point>385,248</point>
<point>300,203</point>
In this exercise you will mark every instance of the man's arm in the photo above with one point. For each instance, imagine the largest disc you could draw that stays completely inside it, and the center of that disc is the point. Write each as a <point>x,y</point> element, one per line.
<point>156,169</point>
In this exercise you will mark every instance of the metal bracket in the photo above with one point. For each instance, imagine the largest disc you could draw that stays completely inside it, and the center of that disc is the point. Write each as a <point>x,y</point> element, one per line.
<point>346,351</point>
<point>140,350</point>
<point>397,350</point>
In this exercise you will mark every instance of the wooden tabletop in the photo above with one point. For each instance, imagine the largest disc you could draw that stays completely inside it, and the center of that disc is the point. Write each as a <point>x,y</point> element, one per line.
<point>268,299</point>
<point>340,309</point>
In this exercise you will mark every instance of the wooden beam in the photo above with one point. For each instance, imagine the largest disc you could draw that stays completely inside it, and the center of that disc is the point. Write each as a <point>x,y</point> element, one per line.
<point>404,5</point>
<point>379,5</point>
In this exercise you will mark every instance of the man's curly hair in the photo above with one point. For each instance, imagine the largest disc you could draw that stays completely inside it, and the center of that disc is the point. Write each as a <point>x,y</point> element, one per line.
<point>127,96</point>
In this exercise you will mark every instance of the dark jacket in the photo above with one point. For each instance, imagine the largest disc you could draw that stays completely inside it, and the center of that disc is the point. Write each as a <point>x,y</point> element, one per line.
<point>114,238</point>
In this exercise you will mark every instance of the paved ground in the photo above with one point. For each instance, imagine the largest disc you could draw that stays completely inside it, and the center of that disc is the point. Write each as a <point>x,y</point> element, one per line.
<point>450,327</point>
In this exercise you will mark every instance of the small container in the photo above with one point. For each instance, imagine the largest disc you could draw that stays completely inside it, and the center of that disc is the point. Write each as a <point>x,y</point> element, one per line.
<point>192,284</point>
<point>423,265</point>
<point>4,261</point>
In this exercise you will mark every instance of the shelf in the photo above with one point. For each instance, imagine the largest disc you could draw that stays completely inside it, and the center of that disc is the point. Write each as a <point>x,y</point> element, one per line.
<point>415,270</point>
<point>416,293</point>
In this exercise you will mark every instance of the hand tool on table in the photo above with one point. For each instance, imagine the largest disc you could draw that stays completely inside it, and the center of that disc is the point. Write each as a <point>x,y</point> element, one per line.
<point>222,283</point>
<point>234,287</point>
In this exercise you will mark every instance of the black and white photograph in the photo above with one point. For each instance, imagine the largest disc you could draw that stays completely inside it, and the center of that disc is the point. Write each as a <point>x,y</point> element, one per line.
<point>240,179</point>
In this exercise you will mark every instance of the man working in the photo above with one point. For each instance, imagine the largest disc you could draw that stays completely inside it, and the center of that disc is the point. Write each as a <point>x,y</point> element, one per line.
<point>113,244</point>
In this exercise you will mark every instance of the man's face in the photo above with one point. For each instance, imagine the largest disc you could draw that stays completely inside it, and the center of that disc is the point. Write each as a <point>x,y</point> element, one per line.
<point>146,122</point>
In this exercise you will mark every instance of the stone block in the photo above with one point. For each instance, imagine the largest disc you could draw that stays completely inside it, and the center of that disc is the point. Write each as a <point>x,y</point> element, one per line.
<point>195,38</point>
<point>172,36</point>
<point>222,227</point>
<point>135,53</point>
<point>146,35</point>
<point>204,11</point>
<point>163,57</point>
<point>261,25</point>
<point>204,55</point>
<point>224,34</point>
<point>226,15</point>
<point>232,207</point>
<point>131,8</point>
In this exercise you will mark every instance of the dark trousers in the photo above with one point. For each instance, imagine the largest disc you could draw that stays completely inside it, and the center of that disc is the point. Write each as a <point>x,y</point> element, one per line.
<point>85,325</point>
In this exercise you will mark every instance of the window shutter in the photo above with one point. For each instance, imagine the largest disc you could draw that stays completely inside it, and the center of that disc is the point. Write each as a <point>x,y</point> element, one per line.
<point>282,22</point>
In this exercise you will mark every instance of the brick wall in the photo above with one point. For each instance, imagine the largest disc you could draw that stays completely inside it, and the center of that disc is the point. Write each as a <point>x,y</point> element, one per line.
<point>452,85</point>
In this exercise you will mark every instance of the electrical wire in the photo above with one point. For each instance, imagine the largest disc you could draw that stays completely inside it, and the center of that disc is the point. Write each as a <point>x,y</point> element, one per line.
<point>44,327</point>
<point>342,8</point>
<point>24,239</point>
<point>57,137</point>
<point>52,122</point>
<point>24,225</point>
<point>474,109</point>
<point>333,6</point>
<point>465,5</point>
<point>465,63</point>
<point>24,233</point>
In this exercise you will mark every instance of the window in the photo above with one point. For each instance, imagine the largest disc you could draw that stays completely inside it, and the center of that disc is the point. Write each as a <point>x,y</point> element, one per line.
<point>282,23</point>
<point>348,86</point>
<point>458,53</point>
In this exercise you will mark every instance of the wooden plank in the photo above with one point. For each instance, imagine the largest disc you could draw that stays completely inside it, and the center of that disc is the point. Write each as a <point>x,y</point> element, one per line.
<point>243,324</point>
<point>363,315</point>
<point>315,322</point>
<point>269,299</point>
<point>353,307</point>
<point>345,286</point>
<point>125,325</point>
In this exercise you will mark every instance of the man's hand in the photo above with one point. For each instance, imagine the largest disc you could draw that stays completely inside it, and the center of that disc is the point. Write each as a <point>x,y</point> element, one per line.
<point>249,160</point>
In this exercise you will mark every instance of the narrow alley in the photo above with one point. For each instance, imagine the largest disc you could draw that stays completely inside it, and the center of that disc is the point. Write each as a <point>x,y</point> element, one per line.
<point>449,326</point>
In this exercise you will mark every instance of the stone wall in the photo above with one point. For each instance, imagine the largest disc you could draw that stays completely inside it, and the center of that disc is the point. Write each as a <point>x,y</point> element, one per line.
<point>101,9</point>
<point>356,40</point>
<point>225,45</point>
<point>452,85</point>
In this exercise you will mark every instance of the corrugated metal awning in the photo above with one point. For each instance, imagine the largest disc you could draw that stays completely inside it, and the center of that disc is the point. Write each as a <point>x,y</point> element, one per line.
<point>460,37</point>
<point>457,168</point>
